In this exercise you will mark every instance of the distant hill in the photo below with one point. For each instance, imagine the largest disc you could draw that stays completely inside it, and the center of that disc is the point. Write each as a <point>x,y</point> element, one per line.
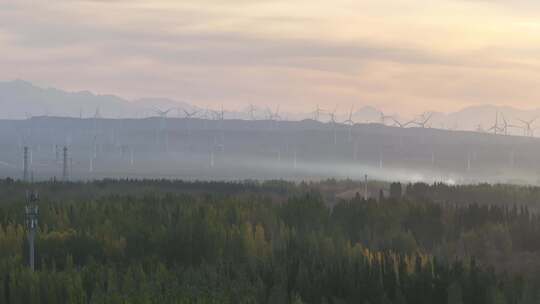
<point>483,117</point>
<point>20,99</point>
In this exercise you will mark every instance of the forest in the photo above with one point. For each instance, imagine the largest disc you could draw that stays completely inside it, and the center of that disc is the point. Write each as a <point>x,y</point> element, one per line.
<point>160,241</point>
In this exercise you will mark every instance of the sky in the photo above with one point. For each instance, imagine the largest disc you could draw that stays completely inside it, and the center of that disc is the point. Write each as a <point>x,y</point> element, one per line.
<point>404,56</point>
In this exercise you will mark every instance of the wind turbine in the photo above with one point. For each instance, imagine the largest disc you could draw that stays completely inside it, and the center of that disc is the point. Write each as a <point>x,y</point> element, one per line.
<point>333,122</point>
<point>273,115</point>
<point>220,117</point>
<point>97,114</point>
<point>527,129</point>
<point>251,111</point>
<point>423,119</point>
<point>317,113</point>
<point>350,123</point>
<point>400,124</point>
<point>205,114</point>
<point>219,114</point>
<point>163,115</point>
<point>506,125</point>
<point>384,117</point>
<point>495,127</point>
<point>91,166</point>
<point>190,114</point>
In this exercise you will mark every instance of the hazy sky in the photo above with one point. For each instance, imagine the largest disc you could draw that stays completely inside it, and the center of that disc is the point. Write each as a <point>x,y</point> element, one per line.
<point>399,55</point>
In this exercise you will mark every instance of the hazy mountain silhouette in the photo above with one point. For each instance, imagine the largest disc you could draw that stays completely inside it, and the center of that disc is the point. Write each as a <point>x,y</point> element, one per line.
<point>20,99</point>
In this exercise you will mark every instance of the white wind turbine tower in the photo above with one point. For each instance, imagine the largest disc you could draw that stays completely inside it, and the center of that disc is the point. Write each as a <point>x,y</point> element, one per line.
<point>189,115</point>
<point>205,116</point>
<point>162,113</point>
<point>384,118</point>
<point>401,124</point>
<point>211,160</point>
<point>276,116</point>
<point>97,117</point>
<point>350,123</point>
<point>423,119</point>
<point>317,113</point>
<point>131,157</point>
<point>527,126</point>
<point>93,153</point>
<point>97,114</point>
<point>91,166</point>
<point>269,114</point>
<point>495,127</point>
<point>505,125</point>
<point>273,116</point>
<point>162,125</point>
<point>219,116</point>
<point>251,111</point>
<point>333,122</point>
<point>95,147</point>
<point>422,122</point>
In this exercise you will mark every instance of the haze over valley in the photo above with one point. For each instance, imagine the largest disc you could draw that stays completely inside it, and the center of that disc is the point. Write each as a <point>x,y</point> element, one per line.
<point>108,136</point>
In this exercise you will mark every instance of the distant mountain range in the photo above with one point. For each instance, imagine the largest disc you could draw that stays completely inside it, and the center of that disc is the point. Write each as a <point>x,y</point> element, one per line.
<point>20,99</point>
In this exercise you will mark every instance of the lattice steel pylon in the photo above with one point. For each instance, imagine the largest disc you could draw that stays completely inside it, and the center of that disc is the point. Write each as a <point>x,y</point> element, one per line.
<point>31,220</point>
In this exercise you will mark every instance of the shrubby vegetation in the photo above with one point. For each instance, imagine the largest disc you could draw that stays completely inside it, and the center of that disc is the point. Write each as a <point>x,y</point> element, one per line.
<point>273,242</point>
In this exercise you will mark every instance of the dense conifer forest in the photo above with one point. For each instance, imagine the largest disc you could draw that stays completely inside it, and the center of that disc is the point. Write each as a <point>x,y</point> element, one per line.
<point>121,241</point>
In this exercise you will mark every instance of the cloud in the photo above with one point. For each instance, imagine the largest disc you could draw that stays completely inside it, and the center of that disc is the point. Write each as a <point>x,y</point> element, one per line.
<point>437,54</point>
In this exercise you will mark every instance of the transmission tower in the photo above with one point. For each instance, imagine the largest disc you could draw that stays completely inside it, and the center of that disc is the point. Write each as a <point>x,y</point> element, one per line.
<point>31,219</point>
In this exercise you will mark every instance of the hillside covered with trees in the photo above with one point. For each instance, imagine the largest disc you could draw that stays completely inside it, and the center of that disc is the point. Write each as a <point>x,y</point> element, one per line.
<point>273,242</point>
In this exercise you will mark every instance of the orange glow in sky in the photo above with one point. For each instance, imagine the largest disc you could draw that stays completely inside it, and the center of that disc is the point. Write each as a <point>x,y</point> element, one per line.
<point>398,55</point>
